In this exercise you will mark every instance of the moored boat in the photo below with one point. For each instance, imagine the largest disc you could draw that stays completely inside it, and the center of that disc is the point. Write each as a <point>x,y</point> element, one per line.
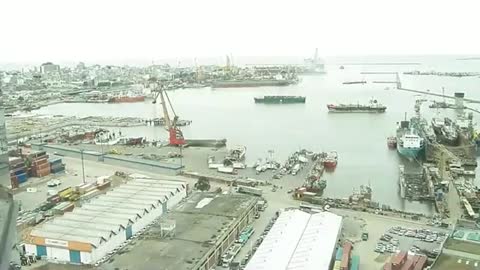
<point>280,99</point>
<point>409,143</point>
<point>372,107</point>
<point>392,142</point>
<point>127,99</point>
<point>331,160</point>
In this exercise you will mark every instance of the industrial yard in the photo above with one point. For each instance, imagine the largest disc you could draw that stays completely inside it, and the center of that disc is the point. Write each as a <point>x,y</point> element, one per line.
<point>97,192</point>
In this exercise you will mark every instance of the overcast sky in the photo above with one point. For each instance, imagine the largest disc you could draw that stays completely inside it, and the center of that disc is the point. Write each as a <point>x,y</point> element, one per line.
<point>89,30</point>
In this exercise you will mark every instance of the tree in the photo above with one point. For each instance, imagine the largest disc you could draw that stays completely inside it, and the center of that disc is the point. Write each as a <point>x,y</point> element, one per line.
<point>202,184</point>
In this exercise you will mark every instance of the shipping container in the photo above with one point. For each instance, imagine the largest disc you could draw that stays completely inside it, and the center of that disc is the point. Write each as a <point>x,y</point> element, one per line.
<point>104,185</point>
<point>399,259</point>
<point>336,266</point>
<point>421,263</point>
<point>250,190</point>
<point>14,182</point>
<point>91,194</point>
<point>339,254</point>
<point>408,265</point>
<point>355,265</point>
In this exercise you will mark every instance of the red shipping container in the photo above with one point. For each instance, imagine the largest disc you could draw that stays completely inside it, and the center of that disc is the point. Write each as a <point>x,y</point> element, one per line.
<point>43,166</point>
<point>399,259</point>
<point>408,265</point>
<point>14,182</point>
<point>421,263</point>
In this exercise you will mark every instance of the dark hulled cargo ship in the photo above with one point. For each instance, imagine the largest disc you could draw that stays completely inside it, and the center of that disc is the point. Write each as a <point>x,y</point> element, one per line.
<point>249,83</point>
<point>280,99</point>
<point>372,107</point>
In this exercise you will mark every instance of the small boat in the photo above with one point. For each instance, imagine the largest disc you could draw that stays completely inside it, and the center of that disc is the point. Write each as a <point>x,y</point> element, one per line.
<point>331,160</point>
<point>355,82</point>
<point>392,142</point>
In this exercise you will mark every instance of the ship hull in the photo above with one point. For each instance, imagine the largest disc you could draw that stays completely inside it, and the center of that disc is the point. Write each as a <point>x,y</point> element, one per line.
<point>409,153</point>
<point>252,83</point>
<point>280,100</point>
<point>337,110</point>
<point>126,99</point>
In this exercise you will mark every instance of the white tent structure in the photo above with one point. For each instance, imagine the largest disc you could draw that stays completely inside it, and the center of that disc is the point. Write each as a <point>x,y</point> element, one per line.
<point>300,241</point>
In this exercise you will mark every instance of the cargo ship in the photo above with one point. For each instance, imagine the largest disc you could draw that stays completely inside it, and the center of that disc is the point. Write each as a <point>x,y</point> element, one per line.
<point>355,82</point>
<point>372,107</point>
<point>280,99</point>
<point>250,83</point>
<point>127,99</point>
<point>409,143</point>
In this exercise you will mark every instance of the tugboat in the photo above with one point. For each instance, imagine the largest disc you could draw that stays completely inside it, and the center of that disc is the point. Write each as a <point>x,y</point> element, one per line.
<point>330,162</point>
<point>392,142</point>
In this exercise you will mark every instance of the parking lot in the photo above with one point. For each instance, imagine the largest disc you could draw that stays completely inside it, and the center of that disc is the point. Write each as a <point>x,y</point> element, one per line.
<point>418,241</point>
<point>357,223</point>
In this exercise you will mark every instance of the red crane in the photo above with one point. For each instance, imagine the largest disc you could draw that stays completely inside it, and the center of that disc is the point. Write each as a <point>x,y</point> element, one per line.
<point>175,134</point>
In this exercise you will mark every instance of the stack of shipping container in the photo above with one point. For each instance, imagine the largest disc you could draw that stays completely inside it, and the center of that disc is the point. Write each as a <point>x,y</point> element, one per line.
<point>18,171</point>
<point>39,164</point>
<point>344,260</point>
<point>56,165</point>
<point>402,261</point>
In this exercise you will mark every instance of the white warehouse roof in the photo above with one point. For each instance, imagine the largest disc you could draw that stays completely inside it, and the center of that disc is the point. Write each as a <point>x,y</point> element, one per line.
<point>96,221</point>
<point>300,241</point>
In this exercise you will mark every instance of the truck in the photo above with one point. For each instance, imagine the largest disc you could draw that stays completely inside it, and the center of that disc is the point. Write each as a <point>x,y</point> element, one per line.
<point>250,190</point>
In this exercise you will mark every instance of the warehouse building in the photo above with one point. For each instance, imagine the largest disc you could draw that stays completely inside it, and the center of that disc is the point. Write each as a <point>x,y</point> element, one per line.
<point>206,225</point>
<point>299,240</point>
<point>99,226</point>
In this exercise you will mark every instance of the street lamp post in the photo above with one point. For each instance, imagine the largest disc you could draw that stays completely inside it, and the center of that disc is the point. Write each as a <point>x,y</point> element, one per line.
<point>83,166</point>
<point>101,145</point>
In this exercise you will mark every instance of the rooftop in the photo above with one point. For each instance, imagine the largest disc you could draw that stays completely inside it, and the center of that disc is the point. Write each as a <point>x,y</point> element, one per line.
<point>295,241</point>
<point>448,262</point>
<point>110,213</point>
<point>199,222</point>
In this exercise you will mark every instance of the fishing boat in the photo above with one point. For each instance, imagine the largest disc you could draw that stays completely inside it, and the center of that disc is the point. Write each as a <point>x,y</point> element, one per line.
<point>331,160</point>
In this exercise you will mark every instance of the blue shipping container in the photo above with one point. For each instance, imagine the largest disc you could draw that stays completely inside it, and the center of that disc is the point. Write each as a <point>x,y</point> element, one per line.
<point>55,160</point>
<point>22,178</point>
<point>19,171</point>
<point>339,254</point>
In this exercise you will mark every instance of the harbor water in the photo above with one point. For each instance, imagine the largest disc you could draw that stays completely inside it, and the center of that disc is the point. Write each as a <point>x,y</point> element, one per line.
<point>359,139</point>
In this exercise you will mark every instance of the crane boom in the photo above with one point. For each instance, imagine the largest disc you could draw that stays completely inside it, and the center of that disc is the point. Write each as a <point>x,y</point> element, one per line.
<point>168,123</point>
<point>175,134</point>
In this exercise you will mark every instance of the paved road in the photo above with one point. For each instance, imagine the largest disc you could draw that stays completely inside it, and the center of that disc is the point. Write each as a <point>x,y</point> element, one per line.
<point>72,177</point>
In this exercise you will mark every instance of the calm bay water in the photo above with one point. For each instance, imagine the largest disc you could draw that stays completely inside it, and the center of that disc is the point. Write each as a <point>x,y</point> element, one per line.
<point>359,139</point>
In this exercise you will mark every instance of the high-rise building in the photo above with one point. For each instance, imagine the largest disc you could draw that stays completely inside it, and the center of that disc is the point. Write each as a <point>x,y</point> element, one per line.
<point>49,67</point>
<point>8,207</point>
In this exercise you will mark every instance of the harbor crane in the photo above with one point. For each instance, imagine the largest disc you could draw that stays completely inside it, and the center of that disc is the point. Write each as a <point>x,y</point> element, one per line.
<point>175,134</point>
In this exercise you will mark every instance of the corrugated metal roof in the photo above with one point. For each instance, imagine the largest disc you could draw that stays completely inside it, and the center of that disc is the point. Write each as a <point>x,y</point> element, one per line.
<point>100,218</point>
<point>95,241</point>
<point>86,225</point>
<point>298,240</point>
